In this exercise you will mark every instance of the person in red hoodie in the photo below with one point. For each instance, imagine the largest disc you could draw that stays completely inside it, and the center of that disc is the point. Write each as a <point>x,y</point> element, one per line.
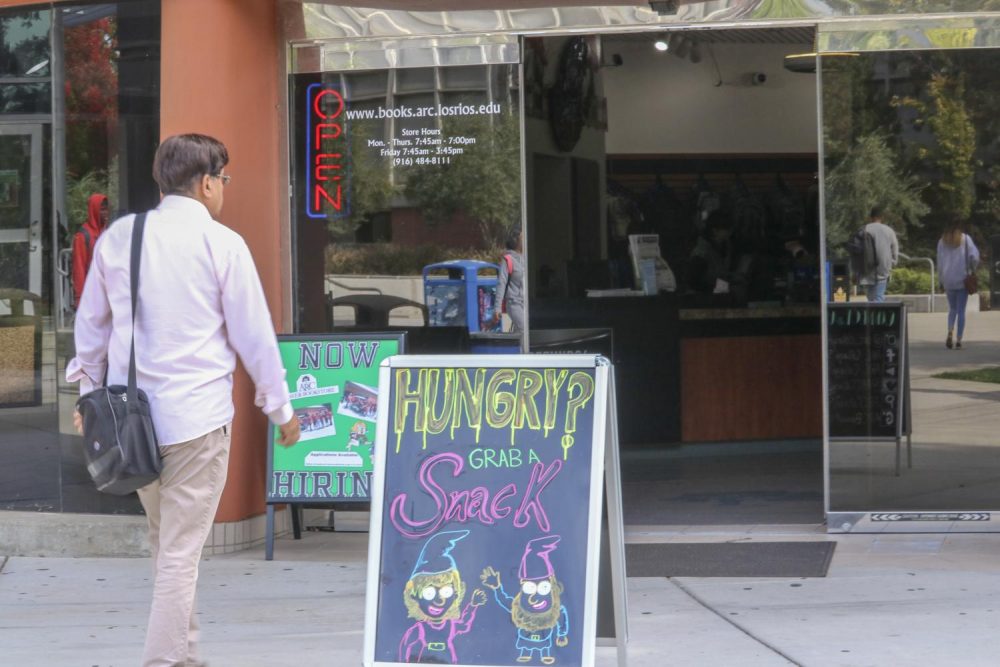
<point>84,240</point>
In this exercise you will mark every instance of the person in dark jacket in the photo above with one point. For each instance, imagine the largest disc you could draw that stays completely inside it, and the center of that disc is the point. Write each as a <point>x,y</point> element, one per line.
<point>85,239</point>
<point>711,257</point>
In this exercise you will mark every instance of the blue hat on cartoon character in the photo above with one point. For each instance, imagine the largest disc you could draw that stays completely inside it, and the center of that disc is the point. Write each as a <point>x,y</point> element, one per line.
<point>436,556</point>
<point>535,563</point>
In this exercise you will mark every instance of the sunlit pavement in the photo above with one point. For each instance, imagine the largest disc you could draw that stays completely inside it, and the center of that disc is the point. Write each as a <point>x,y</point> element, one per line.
<point>887,600</point>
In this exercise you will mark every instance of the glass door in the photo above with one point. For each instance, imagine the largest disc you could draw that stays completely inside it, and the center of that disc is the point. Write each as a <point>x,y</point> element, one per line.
<point>21,212</point>
<point>911,138</point>
<point>406,185</point>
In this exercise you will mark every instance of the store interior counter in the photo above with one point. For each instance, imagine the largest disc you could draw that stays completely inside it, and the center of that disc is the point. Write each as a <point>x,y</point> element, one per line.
<point>669,361</point>
<point>771,359</point>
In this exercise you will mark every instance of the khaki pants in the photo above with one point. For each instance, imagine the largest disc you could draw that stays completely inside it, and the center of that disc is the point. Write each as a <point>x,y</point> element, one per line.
<point>180,509</point>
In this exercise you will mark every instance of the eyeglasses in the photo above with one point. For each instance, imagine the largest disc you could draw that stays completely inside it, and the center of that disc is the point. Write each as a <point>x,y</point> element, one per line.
<point>225,178</point>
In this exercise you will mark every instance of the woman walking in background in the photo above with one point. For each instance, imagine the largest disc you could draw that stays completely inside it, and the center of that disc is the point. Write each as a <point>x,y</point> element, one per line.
<point>957,258</point>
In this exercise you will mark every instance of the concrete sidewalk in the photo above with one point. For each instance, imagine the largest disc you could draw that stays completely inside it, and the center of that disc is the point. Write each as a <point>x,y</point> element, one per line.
<point>888,600</point>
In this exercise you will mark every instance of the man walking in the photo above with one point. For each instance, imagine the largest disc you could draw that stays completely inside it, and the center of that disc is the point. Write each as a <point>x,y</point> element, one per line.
<point>200,305</point>
<point>876,277</point>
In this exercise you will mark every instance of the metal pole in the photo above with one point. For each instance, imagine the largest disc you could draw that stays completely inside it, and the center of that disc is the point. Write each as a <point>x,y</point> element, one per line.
<point>60,226</point>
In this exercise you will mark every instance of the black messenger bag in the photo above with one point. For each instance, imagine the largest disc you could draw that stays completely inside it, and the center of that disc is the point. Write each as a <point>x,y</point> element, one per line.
<point>119,442</point>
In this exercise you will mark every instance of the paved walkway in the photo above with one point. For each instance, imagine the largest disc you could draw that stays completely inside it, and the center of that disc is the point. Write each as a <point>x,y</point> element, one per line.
<point>888,600</point>
<point>913,600</point>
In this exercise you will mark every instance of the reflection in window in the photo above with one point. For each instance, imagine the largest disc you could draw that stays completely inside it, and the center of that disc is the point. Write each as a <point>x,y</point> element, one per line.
<point>916,132</point>
<point>405,175</point>
<point>24,44</point>
<point>24,98</point>
<point>107,84</point>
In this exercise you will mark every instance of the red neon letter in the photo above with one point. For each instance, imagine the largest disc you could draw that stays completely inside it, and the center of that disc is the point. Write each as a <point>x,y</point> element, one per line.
<point>320,192</point>
<point>320,135</point>
<point>319,96</point>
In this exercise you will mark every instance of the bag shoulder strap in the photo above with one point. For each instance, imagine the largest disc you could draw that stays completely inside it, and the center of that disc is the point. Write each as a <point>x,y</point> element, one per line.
<point>86,238</point>
<point>138,226</point>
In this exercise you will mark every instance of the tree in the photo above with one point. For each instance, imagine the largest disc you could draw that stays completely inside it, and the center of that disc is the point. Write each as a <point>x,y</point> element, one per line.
<point>870,175</point>
<point>952,191</point>
<point>371,188</point>
<point>91,88</point>
<point>484,182</point>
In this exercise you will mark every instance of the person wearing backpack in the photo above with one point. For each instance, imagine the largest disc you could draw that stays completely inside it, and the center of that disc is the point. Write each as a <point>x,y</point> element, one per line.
<point>957,259</point>
<point>875,277</point>
<point>510,287</point>
<point>84,240</point>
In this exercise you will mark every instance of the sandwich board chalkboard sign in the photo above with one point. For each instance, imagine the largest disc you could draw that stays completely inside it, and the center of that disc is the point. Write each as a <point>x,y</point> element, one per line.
<point>486,511</point>
<point>333,385</point>
<point>868,372</point>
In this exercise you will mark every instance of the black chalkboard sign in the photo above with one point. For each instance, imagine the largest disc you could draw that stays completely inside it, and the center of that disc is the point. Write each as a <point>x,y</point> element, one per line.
<point>866,369</point>
<point>486,510</point>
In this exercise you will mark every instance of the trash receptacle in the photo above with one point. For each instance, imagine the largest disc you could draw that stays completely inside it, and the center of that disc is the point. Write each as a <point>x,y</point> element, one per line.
<point>838,280</point>
<point>462,292</point>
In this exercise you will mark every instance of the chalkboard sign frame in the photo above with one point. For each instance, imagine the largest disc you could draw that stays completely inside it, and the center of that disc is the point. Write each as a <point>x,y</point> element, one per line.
<point>601,368</point>
<point>903,421</point>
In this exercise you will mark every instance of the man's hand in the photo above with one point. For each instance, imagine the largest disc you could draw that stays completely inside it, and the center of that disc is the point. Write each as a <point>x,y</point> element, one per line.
<point>289,432</point>
<point>478,598</point>
<point>562,641</point>
<point>78,421</point>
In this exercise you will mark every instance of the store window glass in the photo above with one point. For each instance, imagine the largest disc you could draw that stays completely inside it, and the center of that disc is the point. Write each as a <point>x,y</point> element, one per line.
<point>394,172</point>
<point>79,121</point>
<point>25,67</point>
<point>912,138</point>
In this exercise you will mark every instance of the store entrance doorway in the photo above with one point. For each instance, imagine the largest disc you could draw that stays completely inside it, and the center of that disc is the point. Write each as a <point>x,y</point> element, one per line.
<point>720,381</point>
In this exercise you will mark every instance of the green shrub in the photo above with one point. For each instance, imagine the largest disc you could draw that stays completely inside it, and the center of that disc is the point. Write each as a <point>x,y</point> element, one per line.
<point>909,281</point>
<point>389,259</point>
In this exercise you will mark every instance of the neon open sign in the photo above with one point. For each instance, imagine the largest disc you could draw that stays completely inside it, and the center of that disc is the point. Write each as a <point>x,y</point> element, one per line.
<point>327,153</point>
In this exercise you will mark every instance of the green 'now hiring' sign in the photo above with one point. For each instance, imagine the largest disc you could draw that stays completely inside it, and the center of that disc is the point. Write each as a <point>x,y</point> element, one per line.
<point>333,384</point>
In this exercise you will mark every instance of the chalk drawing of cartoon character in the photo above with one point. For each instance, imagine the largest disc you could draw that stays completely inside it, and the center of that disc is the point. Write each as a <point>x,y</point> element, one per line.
<point>536,611</point>
<point>433,597</point>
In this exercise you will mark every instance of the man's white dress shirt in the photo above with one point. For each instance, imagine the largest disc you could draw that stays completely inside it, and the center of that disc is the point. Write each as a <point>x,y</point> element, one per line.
<point>200,304</point>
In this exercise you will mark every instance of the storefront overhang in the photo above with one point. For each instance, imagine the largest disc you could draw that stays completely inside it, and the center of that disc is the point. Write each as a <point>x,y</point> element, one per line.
<point>885,22</point>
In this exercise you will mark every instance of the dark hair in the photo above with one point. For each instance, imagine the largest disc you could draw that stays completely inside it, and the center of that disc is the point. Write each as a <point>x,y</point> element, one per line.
<point>184,158</point>
<point>513,234</point>
<point>876,212</point>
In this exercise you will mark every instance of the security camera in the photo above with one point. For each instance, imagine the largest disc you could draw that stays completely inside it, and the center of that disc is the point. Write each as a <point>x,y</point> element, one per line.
<point>758,78</point>
<point>614,60</point>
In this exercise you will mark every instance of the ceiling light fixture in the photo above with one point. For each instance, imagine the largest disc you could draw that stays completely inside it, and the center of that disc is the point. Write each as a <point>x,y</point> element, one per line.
<point>662,44</point>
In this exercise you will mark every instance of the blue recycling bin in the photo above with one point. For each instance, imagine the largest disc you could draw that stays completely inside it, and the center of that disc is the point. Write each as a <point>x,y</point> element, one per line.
<point>462,292</point>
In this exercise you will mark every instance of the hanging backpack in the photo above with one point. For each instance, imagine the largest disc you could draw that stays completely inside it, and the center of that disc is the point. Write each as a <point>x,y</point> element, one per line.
<point>861,250</point>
